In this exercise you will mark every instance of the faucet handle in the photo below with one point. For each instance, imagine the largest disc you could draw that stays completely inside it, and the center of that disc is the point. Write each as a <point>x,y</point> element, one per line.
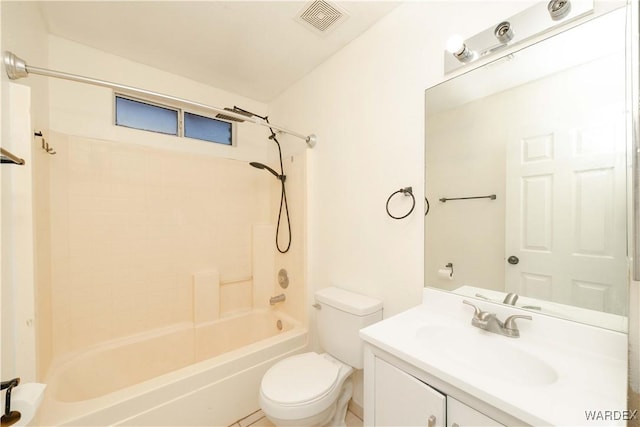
<point>477,312</point>
<point>510,322</point>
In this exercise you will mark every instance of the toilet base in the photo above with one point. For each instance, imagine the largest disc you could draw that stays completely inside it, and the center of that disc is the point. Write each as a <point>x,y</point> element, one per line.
<point>339,418</point>
<point>321,419</point>
<point>333,416</point>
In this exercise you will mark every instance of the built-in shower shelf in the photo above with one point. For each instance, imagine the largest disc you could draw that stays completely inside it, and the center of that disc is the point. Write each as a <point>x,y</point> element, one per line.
<point>8,157</point>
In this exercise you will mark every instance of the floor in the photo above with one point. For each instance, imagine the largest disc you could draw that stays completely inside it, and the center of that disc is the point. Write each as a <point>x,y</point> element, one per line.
<point>257,419</point>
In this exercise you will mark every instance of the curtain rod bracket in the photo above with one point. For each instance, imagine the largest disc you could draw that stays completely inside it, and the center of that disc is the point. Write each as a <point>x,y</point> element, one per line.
<point>312,140</point>
<point>15,66</point>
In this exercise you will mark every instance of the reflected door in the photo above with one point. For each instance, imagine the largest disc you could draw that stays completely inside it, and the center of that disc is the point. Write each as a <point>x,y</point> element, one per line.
<point>566,210</point>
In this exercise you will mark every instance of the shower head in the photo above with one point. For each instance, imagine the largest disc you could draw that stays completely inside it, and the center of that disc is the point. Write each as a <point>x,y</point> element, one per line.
<point>267,168</point>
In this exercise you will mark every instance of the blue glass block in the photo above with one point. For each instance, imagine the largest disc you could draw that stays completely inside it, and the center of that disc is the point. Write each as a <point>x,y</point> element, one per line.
<point>207,129</point>
<point>140,115</point>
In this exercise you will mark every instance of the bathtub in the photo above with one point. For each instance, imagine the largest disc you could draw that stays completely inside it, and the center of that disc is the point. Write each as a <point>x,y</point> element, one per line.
<point>176,376</point>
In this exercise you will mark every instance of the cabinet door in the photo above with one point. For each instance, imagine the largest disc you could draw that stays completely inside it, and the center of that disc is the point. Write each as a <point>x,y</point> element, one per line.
<point>402,400</point>
<point>461,415</point>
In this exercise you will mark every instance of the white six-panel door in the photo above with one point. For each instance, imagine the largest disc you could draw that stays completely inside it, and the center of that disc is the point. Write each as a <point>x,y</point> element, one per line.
<point>566,210</point>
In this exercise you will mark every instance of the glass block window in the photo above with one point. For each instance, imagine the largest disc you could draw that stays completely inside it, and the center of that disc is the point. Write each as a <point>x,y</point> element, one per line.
<point>146,116</point>
<point>207,129</point>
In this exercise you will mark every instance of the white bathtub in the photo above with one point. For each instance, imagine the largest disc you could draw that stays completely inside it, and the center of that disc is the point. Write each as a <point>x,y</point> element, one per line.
<point>177,376</point>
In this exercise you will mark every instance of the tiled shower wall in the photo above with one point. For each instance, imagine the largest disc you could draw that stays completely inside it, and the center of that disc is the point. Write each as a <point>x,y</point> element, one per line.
<point>130,225</point>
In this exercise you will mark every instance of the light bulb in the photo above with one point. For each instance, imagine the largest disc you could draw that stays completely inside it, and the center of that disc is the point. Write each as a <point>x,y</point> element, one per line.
<point>455,44</point>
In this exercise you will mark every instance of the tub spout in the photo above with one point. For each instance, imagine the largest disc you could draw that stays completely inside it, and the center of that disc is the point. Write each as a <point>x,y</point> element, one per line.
<point>277,299</point>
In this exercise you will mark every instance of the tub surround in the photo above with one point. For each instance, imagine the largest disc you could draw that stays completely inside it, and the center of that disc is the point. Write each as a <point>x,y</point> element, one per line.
<point>209,377</point>
<point>206,296</point>
<point>131,248</point>
<point>554,374</point>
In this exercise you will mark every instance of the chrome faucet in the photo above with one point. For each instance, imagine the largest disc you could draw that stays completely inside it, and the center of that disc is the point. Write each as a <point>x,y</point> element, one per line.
<point>489,322</point>
<point>277,299</point>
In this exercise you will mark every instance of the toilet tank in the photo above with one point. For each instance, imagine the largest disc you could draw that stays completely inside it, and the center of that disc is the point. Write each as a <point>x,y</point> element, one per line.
<point>340,315</point>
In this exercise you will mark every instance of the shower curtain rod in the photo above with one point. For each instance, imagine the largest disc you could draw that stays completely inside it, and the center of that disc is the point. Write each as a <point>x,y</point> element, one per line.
<point>17,68</point>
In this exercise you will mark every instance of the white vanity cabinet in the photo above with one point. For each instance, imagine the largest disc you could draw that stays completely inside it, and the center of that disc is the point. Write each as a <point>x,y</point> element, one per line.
<point>399,398</point>
<point>461,415</point>
<point>403,400</point>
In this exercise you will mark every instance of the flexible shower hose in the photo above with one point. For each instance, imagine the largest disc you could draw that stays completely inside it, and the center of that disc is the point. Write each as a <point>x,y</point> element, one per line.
<point>283,199</point>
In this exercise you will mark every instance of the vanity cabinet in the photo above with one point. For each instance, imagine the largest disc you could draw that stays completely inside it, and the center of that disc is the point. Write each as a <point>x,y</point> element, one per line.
<point>401,399</point>
<point>461,415</point>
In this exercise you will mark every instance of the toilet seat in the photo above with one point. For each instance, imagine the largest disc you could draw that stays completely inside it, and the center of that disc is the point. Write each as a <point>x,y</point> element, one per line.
<point>300,379</point>
<point>303,387</point>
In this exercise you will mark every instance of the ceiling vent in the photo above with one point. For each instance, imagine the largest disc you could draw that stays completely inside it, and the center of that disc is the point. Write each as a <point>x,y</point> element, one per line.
<point>321,16</point>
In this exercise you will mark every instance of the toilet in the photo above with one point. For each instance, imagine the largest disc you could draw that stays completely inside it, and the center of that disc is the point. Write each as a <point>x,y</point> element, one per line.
<point>312,389</point>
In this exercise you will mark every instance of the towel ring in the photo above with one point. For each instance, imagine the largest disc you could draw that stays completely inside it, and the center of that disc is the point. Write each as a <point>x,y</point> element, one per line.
<point>405,191</point>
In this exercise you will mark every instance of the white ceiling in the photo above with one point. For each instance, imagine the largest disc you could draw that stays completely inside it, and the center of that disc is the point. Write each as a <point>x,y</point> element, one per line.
<point>253,48</point>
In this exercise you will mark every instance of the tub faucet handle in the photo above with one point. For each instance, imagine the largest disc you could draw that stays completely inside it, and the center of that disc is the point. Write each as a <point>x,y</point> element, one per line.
<point>277,299</point>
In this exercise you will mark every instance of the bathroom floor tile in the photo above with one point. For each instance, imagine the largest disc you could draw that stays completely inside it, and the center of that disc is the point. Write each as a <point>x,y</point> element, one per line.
<point>252,419</point>
<point>263,422</point>
<point>258,419</point>
<point>352,420</point>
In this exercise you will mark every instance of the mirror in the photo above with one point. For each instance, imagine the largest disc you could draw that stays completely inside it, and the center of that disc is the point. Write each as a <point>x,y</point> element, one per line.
<point>544,129</point>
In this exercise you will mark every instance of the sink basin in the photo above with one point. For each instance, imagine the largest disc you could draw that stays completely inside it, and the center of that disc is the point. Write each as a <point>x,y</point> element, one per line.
<point>487,354</point>
<point>548,376</point>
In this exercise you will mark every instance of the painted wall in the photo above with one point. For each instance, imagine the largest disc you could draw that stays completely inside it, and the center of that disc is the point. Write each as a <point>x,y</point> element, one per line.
<point>366,104</point>
<point>466,161</point>
<point>23,32</point>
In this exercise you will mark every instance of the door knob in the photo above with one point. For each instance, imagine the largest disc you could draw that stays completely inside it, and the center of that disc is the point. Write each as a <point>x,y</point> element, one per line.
<point>513,260</point>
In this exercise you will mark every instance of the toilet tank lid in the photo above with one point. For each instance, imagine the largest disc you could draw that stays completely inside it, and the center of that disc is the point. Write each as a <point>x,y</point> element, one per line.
<point>351,302</point>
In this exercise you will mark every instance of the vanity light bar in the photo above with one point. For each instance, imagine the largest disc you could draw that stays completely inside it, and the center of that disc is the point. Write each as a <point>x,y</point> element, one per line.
<point>530,22</point>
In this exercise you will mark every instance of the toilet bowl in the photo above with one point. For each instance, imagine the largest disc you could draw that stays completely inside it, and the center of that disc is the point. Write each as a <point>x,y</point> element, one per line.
<point>313,389</point>
<point>308,389</point>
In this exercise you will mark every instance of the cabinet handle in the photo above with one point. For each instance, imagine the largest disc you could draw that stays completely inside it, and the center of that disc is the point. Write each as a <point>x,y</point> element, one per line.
<point>431,422</point>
